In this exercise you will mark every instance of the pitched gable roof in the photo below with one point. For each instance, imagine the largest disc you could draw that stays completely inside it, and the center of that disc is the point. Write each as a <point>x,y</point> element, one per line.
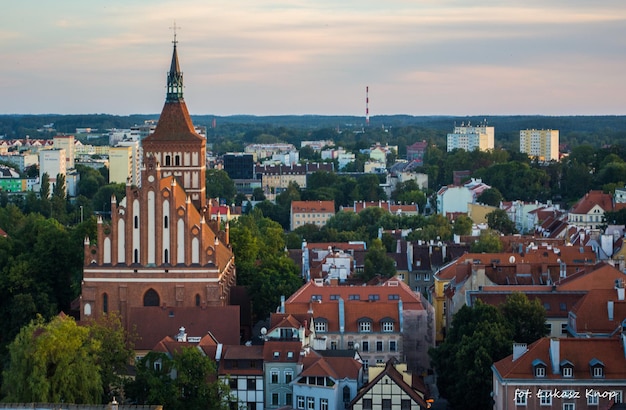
<point>391,371</point>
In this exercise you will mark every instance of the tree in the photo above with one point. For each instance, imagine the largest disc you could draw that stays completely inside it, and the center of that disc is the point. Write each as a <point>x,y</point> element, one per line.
<point>499,220</point>
<point>377,262</point>
<point>462,225</point>
<point>478,337</point>
<point>115,354</point>
<point>53,362</point>
<point>526,318</point>
<point>188,380</point>
<point>491,197</point>
<point>488,242</point>
<point>219,185</point>
<point>44,190</point>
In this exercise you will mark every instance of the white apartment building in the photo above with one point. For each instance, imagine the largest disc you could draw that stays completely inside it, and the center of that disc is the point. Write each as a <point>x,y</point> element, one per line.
<point>67,143</point>
<point>52,162</point>
<point>540,144</point>
<point>469,138</point>
<point>125,163</point>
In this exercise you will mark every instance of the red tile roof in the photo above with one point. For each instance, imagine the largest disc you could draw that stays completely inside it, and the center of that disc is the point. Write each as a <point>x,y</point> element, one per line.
<point>152,324</point>
<point>591,312</point>
<point>579,351</point>
<point>174,125</point>
<point>334,367</point>
<point>592,199</point>
<point>283,349</point>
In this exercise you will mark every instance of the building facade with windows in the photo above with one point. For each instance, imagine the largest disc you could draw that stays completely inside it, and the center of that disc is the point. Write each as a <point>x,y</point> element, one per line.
<point>161,251</point>
<point>566,373</point>
<point>391,387</point>
<point>380,322</point>
<point>540,144</point>
<point>311,212</point>
<point>282,362</point>
<point>469,138</point>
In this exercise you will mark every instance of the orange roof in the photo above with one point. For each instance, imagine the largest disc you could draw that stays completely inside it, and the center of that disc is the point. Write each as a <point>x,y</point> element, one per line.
<point>578,351</point>
<point>313,206</point>
<point>591,312</point>
<point>601,278</point>
<point>590,200</point>
<point>334,367</point>
<point>174,125</point>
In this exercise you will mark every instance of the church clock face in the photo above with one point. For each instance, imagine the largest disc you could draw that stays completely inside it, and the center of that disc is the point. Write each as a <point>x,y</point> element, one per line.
<point>151,178</point>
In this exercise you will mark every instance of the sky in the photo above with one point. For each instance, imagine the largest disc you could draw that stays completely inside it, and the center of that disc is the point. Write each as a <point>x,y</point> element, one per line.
<point>282,57</point>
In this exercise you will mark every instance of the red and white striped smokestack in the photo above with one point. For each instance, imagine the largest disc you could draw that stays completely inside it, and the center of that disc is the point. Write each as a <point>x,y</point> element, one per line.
<point>367,106</point>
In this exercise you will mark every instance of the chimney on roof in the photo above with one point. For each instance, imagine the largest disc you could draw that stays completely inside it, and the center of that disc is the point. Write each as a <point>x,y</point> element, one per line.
<point>518,350</point>
<point>182,335</point>
<point>555,355</point>
<point>619,285</point>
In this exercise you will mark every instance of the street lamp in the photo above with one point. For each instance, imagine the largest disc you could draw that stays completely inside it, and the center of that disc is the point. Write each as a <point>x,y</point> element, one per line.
<point>114,404</point>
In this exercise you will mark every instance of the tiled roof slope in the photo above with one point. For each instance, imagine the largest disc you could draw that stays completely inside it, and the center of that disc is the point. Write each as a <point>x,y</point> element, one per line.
<point>579,351</point>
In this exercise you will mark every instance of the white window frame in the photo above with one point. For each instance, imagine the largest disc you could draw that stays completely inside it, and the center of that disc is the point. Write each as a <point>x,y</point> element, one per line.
<point>274,374</point>
<point>540,371</point>
<point>387,326</point>
<point>365,326</point>
<point>310,403</point>
<point>593,400</point>
<point>569,406</point>
<point>545,400</point>
<point>521,400</point>
<point>393,346</point>
<point>323,404</point>
<point>321,326</point>
<point>598,371</point>
<point>568,371</point>
<point>300,402</point>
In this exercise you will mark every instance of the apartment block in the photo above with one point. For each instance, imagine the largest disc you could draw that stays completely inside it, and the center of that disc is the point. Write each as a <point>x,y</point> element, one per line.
<point>540,144</point>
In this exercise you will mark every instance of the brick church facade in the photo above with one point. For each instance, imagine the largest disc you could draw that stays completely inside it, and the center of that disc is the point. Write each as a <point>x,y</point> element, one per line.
<point>161,251</point>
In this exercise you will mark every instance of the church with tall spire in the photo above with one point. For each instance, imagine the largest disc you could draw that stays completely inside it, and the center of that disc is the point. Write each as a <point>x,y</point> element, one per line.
<point>161,256</point>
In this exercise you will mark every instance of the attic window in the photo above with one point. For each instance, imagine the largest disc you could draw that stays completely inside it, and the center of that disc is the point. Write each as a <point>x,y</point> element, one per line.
<point>316,297</point>
<point>373,297</point>
<point>276,355</point>
<point>289,355</point>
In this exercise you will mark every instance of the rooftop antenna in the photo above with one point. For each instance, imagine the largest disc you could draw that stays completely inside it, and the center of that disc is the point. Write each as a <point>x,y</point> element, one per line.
<point>367,108</point>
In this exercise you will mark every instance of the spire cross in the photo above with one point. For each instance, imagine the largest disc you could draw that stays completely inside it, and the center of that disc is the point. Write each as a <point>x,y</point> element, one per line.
<point>174,27</point>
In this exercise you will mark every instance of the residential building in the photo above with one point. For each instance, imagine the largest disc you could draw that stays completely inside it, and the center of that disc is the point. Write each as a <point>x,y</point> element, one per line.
<point>66,142</point>
<point>10,180</point>
<point>456,199</point>
<point>380,321</point>
<point>312,258</point>
<point>566,373</point>
<point>311,212</point>
<point>343,159</point>
<point>540,144</point>
<point>282,362</point>
<point>391,386</point>
<point>241,367</point>
<point>326,382</point>
<point>469,138</point>
<point>53,163</point>
<point>589,211</point>
<point>533,265</point>
<point>317,146</point>
<point>416,151</point>
<point>121,165</point>
<point>135,163</point>
<point>161,252</point>
<point>20,161</point>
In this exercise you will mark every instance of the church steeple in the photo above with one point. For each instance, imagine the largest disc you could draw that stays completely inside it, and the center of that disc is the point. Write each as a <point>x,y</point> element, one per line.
<point>174,77</point>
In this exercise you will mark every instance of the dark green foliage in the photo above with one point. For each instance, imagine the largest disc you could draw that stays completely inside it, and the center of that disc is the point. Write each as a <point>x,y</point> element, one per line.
<point>479,336</point>
<point>377,262</point>
<point>262,264</point>
<point>491,197</point>
<point>498,220</point>
<point>186,381</point>
<point>488,242</point>
<point>219,185</point>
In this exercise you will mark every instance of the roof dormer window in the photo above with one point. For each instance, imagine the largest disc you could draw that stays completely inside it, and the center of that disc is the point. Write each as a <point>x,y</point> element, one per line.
<point>567,368</point>
<point>539,368</point>
<point>597,368</point>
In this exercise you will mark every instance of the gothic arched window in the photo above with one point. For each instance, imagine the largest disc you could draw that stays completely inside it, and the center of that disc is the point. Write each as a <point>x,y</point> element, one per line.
<point>151,298</point>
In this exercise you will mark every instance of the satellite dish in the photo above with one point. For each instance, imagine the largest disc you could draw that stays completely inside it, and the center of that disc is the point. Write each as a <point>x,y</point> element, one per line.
<point>512,259</point>
<point>356,346</point>
<point>263,331</point>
